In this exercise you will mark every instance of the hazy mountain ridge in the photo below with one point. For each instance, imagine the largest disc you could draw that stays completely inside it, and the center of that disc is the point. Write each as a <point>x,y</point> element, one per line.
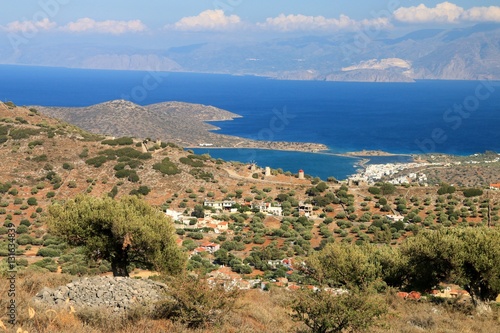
<point>463,54</point>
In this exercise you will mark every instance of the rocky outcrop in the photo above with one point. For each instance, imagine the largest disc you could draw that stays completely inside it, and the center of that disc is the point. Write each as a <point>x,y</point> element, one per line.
<point>113,293</point>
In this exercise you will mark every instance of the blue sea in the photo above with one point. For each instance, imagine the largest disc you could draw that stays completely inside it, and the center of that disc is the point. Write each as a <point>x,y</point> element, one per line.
<point>454,117</point>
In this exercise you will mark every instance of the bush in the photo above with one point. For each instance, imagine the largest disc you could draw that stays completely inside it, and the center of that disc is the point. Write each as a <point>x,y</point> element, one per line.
<point>143,190</point>
<point>191,162</point>
<point>32,201</point>
<point>25,222</point>
<point>195,235</point>
<point>387,188</point>
<point>67,166</point>
<point>23,133</point>
<point>40,158</point>
<point>47,263</point>
<point>22,229</point>
<point>131,175</point>
<point>374,190</point>
<point>166,167</point>
<point>24,240</point>
<point>194,303</point>
<point>324,312</point>
<point>113,192</point>
<point>48,252</point>
<point>472,192</point>
<point>97,161</point>
<point>446,189</point>
<point>124,141</point>
<point>35,143</point>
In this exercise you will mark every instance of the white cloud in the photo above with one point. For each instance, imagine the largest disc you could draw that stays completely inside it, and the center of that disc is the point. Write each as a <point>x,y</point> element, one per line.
<point>482,14</point>
<point>105,27</point>
<point>29,26</point>
<point>446,12</point>
<point>207,20</point>
<point>304,23</point>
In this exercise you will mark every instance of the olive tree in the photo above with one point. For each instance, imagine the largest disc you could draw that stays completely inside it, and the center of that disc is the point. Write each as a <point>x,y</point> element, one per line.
<point>344,265</point>
<point>323,312</point>
<point>469,257</point>
<point>121,231</point>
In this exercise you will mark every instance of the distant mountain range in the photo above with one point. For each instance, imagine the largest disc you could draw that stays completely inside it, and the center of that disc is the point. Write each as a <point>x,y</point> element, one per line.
<point>458,54</point>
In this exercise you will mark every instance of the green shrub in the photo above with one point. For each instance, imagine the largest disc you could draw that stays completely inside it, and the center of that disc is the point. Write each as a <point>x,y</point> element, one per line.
<point>472,192</point>
<point>48,252</point>
<point>143,190</point>
<point>145,156</point>
<point>124,141</point>
<point>22,229</point>
<point>191,162</point>
<point>23,133</point>
<point>40,158</point>
<point>25,222</point>
<point>446,189</point>
<point>67,166</point>
<point>166,167</point>
<point>97,161</point>
<point>84,153</point>
<point>131,175</point>
<point>32,201</point>
<point>4,130</point>
<point>35,143</point>
<point>24,239</point>
<point>5,187</point>
<point>47,263</point>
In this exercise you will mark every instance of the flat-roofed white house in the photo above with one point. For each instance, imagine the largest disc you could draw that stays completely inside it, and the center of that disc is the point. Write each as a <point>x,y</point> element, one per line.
<point>220,205</point>
<point>272,209</point>
<point>176,216</point>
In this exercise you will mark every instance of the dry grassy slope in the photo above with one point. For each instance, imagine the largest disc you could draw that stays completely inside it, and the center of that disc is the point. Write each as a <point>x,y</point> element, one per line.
<point>173,121</point>
<point>22,165</point>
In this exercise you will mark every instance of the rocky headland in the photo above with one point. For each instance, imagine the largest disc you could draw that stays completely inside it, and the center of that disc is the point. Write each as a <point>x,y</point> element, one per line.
<point>184,124</point>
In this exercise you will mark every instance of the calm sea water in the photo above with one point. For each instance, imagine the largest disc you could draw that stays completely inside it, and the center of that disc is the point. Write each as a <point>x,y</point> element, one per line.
<point>456,117</point>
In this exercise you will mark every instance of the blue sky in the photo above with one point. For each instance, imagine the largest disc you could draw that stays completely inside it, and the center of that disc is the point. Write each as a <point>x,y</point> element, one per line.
<point>157,18</point>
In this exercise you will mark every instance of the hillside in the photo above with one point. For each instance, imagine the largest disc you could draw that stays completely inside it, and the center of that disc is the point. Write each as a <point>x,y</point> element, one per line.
<point>182,123</point>
<point>272,223</point>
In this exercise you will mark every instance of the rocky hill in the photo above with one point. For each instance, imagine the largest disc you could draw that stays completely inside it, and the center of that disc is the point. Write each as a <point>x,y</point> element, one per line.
<point>182,123</point>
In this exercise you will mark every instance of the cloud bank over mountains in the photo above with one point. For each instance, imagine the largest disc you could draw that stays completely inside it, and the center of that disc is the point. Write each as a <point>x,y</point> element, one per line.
<point>218,20</point>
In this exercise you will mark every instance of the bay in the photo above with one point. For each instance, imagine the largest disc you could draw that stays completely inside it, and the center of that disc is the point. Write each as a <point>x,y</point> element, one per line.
<point>314,164</point>
<point>454,117</point>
